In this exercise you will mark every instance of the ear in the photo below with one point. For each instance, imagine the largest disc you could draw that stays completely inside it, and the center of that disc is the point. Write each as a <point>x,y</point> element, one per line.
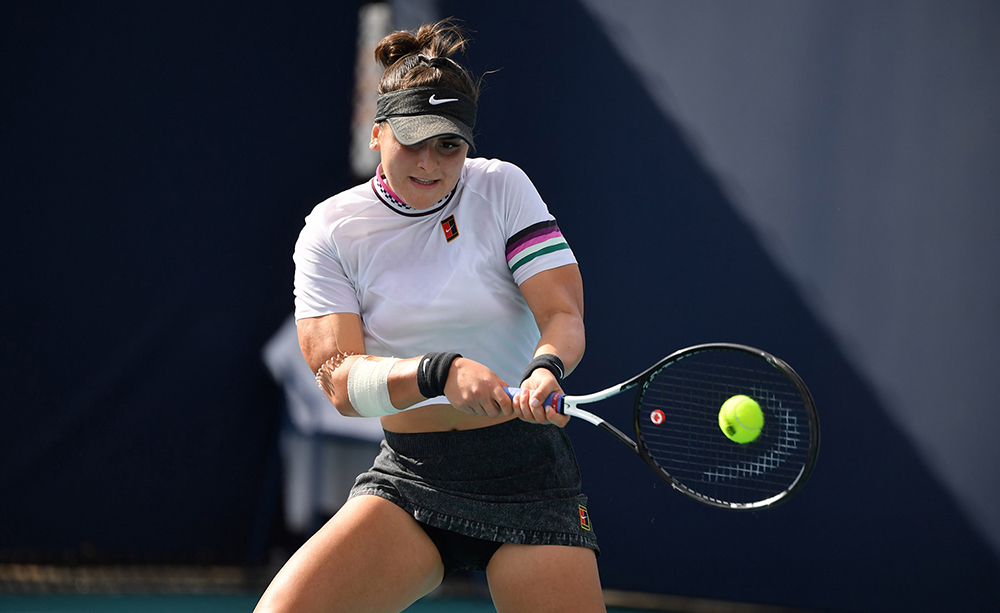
<point>375,145</point>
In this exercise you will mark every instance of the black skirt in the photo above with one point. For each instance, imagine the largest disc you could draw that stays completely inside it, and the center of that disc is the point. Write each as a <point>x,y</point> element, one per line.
<point>515,482</point>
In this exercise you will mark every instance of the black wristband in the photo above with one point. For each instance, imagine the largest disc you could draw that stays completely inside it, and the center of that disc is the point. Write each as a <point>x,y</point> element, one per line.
<point>549,362</point>
<point>432,372</point>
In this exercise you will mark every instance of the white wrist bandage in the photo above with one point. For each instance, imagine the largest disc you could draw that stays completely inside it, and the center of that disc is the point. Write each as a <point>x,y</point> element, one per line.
<point>368,387</point>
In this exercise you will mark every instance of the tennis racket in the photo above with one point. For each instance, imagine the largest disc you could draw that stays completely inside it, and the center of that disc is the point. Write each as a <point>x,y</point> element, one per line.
<point>677,429</point>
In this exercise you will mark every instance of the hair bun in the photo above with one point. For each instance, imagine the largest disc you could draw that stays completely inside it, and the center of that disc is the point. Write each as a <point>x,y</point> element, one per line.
<point>441,39</point>
<point>424,59</point>
<point>395,47</point>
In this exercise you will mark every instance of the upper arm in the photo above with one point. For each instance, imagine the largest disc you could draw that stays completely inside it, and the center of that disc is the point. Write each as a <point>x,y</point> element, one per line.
<point>557,290</point>
<point>320,338</point>
<point>543,266</point>
<point>533,241</point>
<point>326,305</point>
<point>322,283</point>
<point>555,297</point>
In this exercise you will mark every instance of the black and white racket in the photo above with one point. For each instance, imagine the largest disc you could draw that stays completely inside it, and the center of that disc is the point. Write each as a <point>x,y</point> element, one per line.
<point>677,429</point>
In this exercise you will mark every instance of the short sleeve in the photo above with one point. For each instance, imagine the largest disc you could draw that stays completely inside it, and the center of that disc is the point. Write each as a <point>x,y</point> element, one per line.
<point>321,285</point>
<point>534,241</point>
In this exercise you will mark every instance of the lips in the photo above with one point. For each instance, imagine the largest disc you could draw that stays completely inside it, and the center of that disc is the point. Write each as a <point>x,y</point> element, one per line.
<point>424,182</point>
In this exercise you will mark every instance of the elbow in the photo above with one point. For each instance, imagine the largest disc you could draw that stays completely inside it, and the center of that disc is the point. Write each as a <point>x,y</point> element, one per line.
<point>343,406</point>
<point>347,411</point>
<point>341,400</point>
<point>333,383</point>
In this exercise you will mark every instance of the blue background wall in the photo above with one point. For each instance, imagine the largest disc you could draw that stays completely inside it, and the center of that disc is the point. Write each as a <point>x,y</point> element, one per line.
<point>666,239</point>
<point>158,163</point>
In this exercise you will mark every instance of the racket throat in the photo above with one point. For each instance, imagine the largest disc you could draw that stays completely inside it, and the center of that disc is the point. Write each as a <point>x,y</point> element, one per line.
<point>597,421</point>
<point>620,436</point>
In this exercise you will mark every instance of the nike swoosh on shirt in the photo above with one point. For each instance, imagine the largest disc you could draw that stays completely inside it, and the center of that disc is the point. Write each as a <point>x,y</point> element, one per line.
<point>436,102</point>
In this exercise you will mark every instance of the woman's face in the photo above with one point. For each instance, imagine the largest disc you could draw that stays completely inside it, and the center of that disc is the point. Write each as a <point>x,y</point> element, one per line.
<point>423,173</point>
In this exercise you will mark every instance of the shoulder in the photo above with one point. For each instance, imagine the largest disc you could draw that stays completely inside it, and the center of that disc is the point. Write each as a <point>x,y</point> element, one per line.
<point>495,179</point>
<point>346,204</point>
<point>328,218</point>
<point>492,169</point>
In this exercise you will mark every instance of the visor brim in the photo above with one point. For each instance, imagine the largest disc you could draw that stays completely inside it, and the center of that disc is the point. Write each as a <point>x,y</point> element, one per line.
<point>418,128</point>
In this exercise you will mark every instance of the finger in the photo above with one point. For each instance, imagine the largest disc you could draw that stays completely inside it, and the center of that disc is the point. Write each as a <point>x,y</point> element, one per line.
<point>476,407</point>
<point>554,417</point>
<point>504,402</point>
<point>537,408</point>
<point>489,406</point>
<point>520,405</point>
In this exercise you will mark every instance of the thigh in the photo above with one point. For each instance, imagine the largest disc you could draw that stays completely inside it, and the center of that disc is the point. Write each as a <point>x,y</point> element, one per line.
<point>545,579</point>
<point>371,556</point>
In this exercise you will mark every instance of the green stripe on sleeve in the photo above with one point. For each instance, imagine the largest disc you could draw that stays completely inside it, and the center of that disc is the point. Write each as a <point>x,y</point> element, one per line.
<point>550,249</point>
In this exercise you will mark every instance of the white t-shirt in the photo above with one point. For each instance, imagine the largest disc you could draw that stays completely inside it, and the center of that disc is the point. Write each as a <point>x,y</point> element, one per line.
<point>443,279</point>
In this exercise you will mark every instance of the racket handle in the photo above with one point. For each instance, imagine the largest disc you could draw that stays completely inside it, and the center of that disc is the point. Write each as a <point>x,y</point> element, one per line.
<point>554,400</point>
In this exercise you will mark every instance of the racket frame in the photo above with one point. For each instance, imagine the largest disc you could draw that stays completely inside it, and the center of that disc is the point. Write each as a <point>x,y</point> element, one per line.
<point>570,405</point>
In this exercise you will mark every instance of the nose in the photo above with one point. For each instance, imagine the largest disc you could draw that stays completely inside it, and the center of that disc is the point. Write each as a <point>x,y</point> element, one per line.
<point>427,156</point>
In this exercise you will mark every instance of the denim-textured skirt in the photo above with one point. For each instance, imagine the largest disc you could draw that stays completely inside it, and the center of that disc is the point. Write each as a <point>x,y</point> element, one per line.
<point>515,482</point>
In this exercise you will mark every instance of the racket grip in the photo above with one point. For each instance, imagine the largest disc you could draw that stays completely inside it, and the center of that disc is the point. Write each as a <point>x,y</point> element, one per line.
<point>554,400</point>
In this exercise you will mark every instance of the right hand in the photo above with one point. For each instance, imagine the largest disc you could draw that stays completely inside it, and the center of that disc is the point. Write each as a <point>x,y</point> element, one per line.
<point>530,405</point>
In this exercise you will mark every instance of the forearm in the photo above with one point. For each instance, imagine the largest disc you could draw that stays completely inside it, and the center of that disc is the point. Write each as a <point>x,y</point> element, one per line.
<point>555,298</point>
<point>334,380</point>
<point>403,390</point>
<point>370,386</point>
<point>563,335</point>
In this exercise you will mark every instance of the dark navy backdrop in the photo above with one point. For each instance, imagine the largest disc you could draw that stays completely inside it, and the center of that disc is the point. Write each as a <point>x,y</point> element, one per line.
<point>158,161</point>
<point>157,165</point>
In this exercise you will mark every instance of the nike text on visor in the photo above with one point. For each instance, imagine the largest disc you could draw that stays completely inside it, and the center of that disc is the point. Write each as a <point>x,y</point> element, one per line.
<point>420,113</point>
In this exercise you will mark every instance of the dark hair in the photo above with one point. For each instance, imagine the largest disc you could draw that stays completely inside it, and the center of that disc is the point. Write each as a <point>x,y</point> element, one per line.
<point>423,59</point>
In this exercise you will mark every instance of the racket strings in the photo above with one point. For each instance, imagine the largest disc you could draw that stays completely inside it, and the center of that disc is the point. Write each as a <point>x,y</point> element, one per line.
<point>677,421</point>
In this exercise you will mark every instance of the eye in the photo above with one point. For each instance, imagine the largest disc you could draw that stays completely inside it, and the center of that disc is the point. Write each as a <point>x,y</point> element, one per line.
<point>449,145</point>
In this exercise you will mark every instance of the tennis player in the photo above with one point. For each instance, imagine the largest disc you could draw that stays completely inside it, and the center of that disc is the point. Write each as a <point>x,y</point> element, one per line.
<point>419,296</point>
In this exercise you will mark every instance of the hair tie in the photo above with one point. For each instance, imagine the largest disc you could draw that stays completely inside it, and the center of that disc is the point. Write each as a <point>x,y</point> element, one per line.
<point>436,62</point>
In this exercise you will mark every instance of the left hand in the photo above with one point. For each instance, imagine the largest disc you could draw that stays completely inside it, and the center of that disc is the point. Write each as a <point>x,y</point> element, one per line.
<point>534,390</point>
<point>474,389</point>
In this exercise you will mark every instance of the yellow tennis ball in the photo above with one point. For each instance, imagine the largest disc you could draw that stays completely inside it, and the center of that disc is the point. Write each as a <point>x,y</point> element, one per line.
<point>741,419</point>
